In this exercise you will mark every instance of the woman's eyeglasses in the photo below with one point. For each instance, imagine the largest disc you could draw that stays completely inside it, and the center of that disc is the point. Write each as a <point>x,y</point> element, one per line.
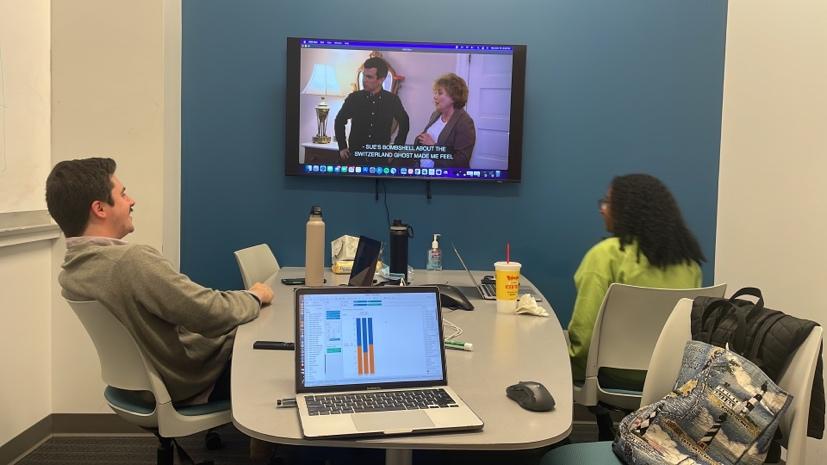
<point>603,203</point>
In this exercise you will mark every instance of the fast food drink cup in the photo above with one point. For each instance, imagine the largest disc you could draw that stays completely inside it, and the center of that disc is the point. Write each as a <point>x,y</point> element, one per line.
<point>507,275</point>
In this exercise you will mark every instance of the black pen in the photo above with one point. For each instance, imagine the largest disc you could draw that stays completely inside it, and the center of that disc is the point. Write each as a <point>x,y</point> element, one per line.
<point>274,345</point>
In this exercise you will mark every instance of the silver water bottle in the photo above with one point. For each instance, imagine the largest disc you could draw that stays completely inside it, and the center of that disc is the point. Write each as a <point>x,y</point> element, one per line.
<point>314,248</point>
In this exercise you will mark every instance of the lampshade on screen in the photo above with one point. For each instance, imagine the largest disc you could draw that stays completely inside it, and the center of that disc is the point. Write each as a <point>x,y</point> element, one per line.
<point>322,81</point>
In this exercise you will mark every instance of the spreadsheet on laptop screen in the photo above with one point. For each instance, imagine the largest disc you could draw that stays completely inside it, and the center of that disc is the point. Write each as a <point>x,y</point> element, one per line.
<point>369,338</point>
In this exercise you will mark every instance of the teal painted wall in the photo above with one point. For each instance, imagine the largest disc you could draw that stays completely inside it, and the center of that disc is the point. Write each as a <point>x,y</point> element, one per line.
<point>611,88</point>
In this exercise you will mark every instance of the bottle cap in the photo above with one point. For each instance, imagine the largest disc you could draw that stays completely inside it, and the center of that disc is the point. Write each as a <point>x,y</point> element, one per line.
<point>316,210</point>
<point>435,243</point>
<point>399,227</point>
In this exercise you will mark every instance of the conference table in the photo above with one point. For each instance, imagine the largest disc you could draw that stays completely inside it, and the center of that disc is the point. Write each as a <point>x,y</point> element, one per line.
<point>508,348</point>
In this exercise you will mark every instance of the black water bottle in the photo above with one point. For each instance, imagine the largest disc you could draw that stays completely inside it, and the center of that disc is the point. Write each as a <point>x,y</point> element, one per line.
<point>399,247</point>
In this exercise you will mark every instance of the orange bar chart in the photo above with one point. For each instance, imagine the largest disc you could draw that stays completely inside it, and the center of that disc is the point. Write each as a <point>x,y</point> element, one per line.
<point>364,346</point>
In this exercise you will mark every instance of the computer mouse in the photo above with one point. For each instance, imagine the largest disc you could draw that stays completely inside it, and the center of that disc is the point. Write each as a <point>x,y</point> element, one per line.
<point>531,395</point>
<point>451,297</point>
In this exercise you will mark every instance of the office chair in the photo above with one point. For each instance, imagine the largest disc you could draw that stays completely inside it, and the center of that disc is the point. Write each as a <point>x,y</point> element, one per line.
<point>625,331</point>
<point>665,364</point>
<point>130,378</point>
<point>256,263</point>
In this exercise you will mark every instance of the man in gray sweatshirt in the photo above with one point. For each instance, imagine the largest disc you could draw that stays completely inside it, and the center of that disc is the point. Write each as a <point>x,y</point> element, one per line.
<point>184,329</point>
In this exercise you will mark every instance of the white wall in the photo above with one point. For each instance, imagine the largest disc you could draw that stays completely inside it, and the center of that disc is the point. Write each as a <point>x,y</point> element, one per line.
<point>772,205</point>
<point>24,104</point>
<point>26,342</point>
<point>25,269</point>
<point>112,96</point>
<point>115,91</point>
<point>171,241</point>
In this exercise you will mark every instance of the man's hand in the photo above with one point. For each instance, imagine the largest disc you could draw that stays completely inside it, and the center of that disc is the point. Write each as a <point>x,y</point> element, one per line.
<point>344,154</point>
<point>263,292</point>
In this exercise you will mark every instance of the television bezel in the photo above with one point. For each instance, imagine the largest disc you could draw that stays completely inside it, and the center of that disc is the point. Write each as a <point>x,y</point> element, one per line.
<point>292,167</point>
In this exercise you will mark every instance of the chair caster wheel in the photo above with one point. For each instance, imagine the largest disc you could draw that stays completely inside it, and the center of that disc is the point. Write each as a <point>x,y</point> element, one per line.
<point>213,441</point>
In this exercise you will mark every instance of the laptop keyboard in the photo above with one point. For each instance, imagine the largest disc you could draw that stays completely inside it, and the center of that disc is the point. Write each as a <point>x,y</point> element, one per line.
<point>382,401</point>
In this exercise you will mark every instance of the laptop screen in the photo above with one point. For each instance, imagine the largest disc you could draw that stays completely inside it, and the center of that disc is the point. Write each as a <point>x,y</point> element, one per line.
<point>351,338</point>
<point>464,266</point>
<point>364,262</point>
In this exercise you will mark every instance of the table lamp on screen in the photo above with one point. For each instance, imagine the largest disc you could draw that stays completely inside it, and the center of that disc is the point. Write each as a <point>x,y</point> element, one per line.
<point>323,83</point>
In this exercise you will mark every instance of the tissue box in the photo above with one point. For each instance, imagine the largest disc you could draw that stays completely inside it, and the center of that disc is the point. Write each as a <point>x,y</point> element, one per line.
<point>344,266</point>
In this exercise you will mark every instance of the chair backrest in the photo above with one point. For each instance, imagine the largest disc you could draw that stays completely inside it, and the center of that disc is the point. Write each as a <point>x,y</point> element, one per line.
<point>122,364</point>
<point>797,377</point>
<point>256,263</point>
<point>633,313</point>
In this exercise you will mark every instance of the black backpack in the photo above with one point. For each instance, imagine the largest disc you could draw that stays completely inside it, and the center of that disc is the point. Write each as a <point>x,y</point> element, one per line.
<point>764,336</point>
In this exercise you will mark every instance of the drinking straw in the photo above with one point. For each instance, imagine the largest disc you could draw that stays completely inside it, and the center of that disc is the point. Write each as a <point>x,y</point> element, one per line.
<point>507,252</point>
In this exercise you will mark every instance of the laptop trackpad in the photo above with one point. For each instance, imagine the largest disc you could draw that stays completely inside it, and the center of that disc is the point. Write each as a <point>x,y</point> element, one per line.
<point>392,421</point>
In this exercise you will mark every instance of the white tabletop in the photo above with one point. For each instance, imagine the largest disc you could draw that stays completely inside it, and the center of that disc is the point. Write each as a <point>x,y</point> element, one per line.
<point>507,349</point>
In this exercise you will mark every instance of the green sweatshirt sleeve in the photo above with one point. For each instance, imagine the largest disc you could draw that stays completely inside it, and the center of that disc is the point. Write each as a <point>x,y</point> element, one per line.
<point>592,280</point>
<point>174,298</point>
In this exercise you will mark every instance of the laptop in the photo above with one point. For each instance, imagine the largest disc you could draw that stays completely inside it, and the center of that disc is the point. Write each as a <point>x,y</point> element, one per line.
<point>370,362</point>
<point>488,291</point>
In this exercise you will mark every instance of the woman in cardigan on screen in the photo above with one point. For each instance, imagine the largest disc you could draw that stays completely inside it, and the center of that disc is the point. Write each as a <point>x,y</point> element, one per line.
<point>450,125</point>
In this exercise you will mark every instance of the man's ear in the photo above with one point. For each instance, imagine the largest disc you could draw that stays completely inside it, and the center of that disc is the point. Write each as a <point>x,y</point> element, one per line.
<point>97,210</point>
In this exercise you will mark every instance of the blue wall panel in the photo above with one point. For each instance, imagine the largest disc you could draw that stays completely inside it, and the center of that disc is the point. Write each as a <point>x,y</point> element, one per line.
<point>612,88</point>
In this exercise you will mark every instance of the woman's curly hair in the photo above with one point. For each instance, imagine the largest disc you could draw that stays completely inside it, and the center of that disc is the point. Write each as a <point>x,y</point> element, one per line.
<point>455,87</point>
<point>643,210</point>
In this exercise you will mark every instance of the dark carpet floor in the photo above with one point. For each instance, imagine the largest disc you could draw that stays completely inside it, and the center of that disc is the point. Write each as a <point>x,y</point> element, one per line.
<point>97,450</point>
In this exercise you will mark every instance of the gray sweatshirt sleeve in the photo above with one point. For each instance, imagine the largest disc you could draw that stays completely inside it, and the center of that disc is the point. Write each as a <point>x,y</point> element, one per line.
<point>175,298</point>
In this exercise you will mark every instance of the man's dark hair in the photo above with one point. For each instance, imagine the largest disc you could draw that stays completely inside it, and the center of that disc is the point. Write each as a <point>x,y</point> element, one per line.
<point>643,210</point>
<point>378,63</point>
<point>71,188</point>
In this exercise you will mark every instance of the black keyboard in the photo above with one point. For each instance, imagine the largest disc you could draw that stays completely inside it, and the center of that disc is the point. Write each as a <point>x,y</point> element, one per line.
<point>490,290</point>
<point>381,401</point>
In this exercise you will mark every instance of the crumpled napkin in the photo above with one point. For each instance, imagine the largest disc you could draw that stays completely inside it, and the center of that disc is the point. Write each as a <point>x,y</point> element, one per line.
<point>527,305</point>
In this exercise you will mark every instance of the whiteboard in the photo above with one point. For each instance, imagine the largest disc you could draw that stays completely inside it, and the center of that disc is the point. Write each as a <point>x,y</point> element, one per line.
<point>25,102</point>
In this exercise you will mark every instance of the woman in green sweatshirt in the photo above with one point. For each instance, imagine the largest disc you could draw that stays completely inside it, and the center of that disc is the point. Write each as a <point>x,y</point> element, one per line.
<point>650,246</point>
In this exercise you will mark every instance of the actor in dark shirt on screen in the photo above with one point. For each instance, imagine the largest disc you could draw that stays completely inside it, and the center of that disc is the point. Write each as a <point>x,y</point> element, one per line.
<point>371,112</point>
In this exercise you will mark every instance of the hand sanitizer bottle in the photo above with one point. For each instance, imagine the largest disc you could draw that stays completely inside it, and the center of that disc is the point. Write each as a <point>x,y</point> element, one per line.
<point>434,255</point>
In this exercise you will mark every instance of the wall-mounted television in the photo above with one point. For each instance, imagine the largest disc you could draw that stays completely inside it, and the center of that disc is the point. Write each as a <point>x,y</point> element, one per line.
<point>412,110</point>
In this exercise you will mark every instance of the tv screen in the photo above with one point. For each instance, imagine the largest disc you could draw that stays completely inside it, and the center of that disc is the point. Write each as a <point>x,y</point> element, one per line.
<point>412,110</point>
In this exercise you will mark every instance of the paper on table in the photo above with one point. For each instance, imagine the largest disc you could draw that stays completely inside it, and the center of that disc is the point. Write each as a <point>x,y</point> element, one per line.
<point>528,306</point>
